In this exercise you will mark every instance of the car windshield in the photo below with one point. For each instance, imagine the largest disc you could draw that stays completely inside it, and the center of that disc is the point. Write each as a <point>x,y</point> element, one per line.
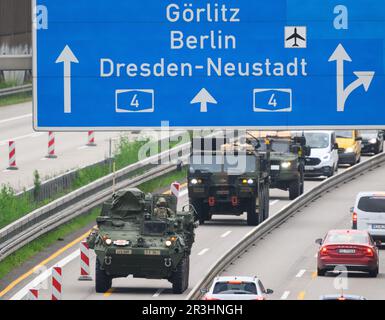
<point>231,164</point>
<point>347,238</point>
<point>276,146</point>
<point>345,134</point>
<point>317,140</point>
<point>372,204</point>
<point>369,134</point>
<point>154,227</point>
<point>235,287</point>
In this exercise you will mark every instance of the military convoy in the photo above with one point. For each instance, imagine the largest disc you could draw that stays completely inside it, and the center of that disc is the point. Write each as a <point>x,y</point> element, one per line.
<point>288,155</point>
<point>228,178</point>
<point>143,235</point>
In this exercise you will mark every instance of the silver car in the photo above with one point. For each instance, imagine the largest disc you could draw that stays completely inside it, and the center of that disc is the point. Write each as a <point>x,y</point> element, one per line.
<point>237,288</point>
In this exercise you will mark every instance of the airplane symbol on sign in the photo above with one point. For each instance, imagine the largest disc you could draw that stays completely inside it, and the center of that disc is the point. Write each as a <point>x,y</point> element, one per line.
<point>295,33</point>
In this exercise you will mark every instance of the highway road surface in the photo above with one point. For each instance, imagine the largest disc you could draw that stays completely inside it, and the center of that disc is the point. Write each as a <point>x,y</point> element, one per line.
<point>212,242</point>
<point>285,259</point>
<point>32,147</point>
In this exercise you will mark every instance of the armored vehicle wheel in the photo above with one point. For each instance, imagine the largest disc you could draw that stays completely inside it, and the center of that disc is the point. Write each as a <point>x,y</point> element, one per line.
<point>267,203</point>
<point>202,211</point>
<point>302,180</point>
<point>103,282</point>
<point>180,278</point>
<point>294,189</point>
<point>252,216</point>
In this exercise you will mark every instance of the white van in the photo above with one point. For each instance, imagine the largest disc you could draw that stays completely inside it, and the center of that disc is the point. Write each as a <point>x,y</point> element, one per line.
<point>323,160</point>
<point>369,213</point>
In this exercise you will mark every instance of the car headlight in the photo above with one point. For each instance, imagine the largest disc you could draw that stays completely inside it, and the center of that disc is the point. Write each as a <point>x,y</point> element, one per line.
<point>349,150</point>
<point>286,165</point>
<point>373,141</point>
<point>327,157</point>
<point>250,181</point>
<point>194,181</point>
<point>108,241</point>
<point>168,243</point>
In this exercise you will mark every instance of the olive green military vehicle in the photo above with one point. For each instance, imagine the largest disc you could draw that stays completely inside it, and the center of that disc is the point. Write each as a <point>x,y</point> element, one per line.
<point>143,235</point>
<point>229,179</point>
<point>287,155</point>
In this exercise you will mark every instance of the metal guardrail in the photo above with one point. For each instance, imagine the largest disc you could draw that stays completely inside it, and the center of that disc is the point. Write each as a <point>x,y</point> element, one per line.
<point>276,220</point>
<point>15,62</point>
<point>45,219</point>
<point>15,90</point>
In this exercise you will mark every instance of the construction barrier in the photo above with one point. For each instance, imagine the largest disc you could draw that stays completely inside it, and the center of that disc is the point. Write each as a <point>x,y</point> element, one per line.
<point>51,145</point>
<point>91,139</point>
<point>12,155</point>
<point>84,262</point>
<point>175,188</point>
<point>57,280</point>
<point>33,294</point>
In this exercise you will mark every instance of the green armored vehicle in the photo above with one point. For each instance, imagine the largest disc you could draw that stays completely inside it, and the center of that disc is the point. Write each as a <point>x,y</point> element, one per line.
<point>287,160</point>
<point>229,179</point>
<point>143,235</point>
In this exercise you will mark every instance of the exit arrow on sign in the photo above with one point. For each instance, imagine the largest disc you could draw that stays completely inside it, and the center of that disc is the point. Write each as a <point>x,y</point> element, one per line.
<point>204,97</point>
<point>67,57</point>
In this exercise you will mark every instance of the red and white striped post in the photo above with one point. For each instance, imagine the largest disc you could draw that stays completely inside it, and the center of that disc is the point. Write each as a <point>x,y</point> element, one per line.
<point>33,294</point>
<point>51,145</point>
<point>57,280</point>
<point>12,155</point>
<point>84,262</point>
<point>91,139</point>
<point>175,188</point>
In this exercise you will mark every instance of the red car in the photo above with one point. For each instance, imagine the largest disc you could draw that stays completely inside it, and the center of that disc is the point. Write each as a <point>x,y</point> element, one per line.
<point>353,249</point>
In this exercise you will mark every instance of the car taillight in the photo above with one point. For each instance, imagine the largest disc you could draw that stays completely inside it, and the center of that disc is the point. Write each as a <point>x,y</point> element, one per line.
<point>369,252</point>
<point>211,201</point>
<point>354,220</point>
<point>234,201</point>
<point>260,298</point>
<point>210,298</point>
<point>324,251</point>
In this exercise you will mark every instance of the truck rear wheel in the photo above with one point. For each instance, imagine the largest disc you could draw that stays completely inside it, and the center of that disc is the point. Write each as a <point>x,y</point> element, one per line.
<point>180,278</point>
<point>103,282</point>
<point>294,189</point>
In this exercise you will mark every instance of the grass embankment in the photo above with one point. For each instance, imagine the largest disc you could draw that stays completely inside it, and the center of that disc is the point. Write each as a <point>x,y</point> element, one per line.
<point>24,254</point>
<point>15,98</point>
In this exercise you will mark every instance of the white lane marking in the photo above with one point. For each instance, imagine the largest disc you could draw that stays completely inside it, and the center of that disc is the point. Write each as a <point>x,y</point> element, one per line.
<point>44,276</point>
<point>83,147</point>
<point>300,273</point>
<point>30,135</point>
<point>226,234</point>
<point>285,295</point>
<point>274,202</point>
<point>158,293</point>
<point>203,251</point>
<point>29,115</point>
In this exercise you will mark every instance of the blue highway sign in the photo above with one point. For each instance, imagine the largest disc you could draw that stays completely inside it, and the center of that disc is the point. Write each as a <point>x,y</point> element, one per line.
<point>109,65</point>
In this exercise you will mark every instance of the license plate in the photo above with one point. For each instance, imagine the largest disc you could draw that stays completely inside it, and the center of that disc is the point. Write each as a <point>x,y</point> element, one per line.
<point>275,167</point>
<point>123,251</point>
<point>308,168</point>
<point>223,192</point>
<point>378,226</point>
<point>347,251</point>
<point>152,252</point>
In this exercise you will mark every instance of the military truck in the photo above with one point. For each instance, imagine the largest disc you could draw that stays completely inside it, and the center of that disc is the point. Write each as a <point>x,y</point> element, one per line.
<point>288,155</point>
<point>132,239</point>
<point>228,179</point>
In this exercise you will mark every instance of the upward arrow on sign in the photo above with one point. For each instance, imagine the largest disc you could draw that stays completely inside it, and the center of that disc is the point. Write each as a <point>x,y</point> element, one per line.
<point>365,78</point>
<point>203,97</point>
<point>67,57</point>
